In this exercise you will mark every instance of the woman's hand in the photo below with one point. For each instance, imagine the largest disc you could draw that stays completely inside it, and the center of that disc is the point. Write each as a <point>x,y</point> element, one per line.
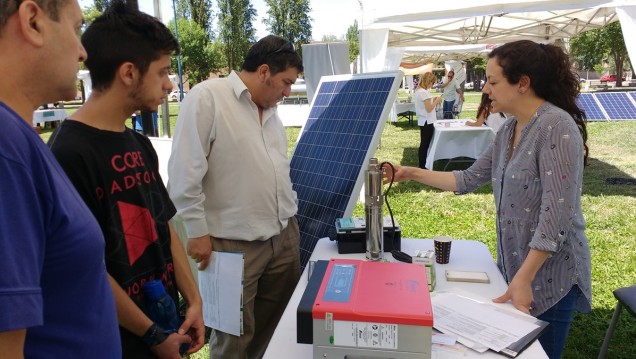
<point>400,173</point>
<point>519,293</point>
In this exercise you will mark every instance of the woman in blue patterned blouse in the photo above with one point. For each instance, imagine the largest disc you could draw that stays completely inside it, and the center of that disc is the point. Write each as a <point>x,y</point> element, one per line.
<point>536,166</point>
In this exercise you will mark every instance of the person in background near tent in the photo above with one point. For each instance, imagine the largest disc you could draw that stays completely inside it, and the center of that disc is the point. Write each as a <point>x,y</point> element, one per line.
<point>229,178</point>
<point>55,301</point>
<point>492,120</point>
<point>137,123</point>
<point>426,115</point>
<point>116,171</point>
<point>451,93</point>
<point>536,168</point>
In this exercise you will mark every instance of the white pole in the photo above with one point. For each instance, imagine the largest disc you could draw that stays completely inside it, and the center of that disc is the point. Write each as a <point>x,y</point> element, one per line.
<point>360,55</point>
<point>165,111</point>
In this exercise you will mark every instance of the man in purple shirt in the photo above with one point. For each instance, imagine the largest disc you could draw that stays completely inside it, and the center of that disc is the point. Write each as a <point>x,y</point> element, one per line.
<point>55,300</point>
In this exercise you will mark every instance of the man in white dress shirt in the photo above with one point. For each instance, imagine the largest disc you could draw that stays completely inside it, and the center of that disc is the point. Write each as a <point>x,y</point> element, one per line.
<point>229,179</point>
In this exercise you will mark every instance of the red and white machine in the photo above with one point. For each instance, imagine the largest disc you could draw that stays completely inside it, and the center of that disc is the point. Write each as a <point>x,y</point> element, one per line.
<point>369,310</point>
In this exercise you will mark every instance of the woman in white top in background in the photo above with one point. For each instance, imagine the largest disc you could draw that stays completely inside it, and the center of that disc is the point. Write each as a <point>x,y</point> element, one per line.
<point>493,120</point>
<point>425,110</point>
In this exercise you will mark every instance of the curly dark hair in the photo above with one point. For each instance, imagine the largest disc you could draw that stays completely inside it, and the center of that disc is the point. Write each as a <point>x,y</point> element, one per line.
<point>551,76</point>
<point>124,34</point>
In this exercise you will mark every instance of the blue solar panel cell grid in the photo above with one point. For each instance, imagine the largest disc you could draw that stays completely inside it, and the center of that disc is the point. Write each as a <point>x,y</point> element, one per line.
<point>344,126</point>
<point>617,105</point>
<point>588,103</point>
<point>633,95</point>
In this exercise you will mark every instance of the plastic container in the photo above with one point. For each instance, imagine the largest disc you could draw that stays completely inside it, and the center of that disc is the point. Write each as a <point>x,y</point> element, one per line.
<point>161,309</point>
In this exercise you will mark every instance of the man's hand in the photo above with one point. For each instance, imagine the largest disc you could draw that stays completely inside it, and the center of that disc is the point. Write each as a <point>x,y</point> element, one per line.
<point>193,327</point>
<point>200,249</point>
<point>169,349</point>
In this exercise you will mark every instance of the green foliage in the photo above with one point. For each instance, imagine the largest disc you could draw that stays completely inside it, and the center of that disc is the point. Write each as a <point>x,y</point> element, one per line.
<point>586,50</point>
<point>592,47</point>
<point>197,10</point>
<point>329,38</point>
<point>198,56</point>
<point>90,14</point>
<point>290,19</point>
<point>236,31</point>
<point>101,5</point>
<point>476,68</point>
<point>354,41</point>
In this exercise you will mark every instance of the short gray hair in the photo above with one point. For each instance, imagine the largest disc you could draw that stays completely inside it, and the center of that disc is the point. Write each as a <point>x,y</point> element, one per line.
<point>9,7</point>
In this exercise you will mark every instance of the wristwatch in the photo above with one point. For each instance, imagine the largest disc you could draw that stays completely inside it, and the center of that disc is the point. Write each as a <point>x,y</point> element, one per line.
<point>155,335</point>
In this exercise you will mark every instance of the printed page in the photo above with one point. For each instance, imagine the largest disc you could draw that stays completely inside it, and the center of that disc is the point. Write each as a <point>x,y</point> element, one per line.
<point>221,287</point>
<point>483,323</point>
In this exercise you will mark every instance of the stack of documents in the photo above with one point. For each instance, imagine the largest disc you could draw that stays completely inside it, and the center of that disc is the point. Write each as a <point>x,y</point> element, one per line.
<point>481,325</point>
<point>221,288</point>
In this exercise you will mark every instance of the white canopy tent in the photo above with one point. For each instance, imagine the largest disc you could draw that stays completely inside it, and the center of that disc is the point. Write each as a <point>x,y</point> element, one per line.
<point>405,24</point>
<point>424,54</point>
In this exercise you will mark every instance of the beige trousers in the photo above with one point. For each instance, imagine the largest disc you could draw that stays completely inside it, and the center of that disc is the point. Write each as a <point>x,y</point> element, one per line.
<point>271,272</point>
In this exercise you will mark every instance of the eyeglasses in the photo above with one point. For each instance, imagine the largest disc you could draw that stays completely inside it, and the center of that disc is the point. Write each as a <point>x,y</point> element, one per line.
<point>286,48</point>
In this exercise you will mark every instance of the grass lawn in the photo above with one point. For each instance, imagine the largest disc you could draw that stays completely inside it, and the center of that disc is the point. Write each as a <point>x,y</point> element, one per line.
<point>610,212</point>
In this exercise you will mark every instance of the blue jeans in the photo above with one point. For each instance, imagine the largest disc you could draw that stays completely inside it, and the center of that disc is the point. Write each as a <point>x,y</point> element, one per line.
<point>448,109</point>
<point>560,317</point>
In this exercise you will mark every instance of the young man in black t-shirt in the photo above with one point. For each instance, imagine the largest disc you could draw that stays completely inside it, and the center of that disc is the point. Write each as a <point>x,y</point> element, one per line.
<point>115,170</point>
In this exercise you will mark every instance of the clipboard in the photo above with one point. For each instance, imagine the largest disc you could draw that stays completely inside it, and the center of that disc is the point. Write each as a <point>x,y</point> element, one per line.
<point>519,346</point>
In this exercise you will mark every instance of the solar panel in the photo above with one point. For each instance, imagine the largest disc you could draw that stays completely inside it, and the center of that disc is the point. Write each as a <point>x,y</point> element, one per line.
<point>342,132</point>
<point>633,95</point>
<point>617,105</point>
<point>590,105</point>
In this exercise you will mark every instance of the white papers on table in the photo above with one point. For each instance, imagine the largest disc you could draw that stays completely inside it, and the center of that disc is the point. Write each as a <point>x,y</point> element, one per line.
<point>221,287</point>
<point>483,323</point>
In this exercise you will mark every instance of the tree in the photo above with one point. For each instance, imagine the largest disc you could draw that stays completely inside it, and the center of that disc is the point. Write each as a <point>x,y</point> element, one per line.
<point>329,38</point>
<point>90,14</point>
<point>586,50</point>
<point>592,47</point>
<point>198,56</point>
<point>101,5</point>
<point>235,30</point>
<point>476,70</point>
<point>198,10</point>
<point>289,19</point>
<point>354,41</point>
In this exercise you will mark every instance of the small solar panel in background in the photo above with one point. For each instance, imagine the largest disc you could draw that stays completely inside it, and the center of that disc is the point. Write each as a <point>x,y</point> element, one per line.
<point>342,132</point>
<point>617,105</point>
<point>590,105</point>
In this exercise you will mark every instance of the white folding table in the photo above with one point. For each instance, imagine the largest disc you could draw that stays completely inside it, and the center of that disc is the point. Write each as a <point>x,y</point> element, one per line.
<point>453,138</point>
<point>466,255</point>
<point>49,115</point>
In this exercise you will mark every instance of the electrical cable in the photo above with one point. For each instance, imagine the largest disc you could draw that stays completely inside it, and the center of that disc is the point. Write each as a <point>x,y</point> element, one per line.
<point>386,201</point>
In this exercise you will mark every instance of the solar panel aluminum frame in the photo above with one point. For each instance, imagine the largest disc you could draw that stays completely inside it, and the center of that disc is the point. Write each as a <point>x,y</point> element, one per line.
<point>310,233</point>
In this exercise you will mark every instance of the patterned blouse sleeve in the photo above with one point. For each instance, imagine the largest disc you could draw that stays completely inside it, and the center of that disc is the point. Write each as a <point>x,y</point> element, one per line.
<point>478,174</point>
<point>561,166</point>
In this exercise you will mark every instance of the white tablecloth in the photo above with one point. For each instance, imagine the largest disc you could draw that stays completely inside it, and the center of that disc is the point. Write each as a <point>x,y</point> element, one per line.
<point>406,108</point>
<point>42,116</point>
<point>465,255</point>
<point>453,138</point>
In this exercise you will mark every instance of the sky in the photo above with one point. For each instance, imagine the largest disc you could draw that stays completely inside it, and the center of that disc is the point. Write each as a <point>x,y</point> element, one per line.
<point>330,17</point>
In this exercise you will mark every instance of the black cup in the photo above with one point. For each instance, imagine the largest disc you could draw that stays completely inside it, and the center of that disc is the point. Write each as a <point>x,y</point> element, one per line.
<point>442,249</point>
